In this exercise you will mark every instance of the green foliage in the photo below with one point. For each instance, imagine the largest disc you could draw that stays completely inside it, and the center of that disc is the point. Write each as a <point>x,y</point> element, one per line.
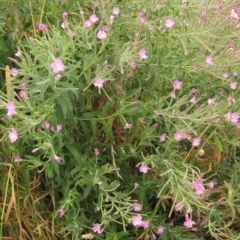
<point>91,143</point>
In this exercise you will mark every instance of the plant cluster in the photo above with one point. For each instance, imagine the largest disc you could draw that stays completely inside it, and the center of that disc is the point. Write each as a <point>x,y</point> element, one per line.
<point>128,113</point>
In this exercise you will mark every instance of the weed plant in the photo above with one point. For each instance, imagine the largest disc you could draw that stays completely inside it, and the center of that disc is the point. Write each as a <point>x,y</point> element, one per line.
<point>120,120</point>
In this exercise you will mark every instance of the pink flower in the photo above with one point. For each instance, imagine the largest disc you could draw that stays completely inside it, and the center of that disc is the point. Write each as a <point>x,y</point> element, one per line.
<point>188,221</point>
<point>127,126</point>
<point>57,66</point>
<point>14,72</point>
<point>211,184</point>
<point>230,101</point>
<point>178,207</point>
<point>98,82</point>
<point>225,75</point>
<point>22,94</point>
<point>59,127</point>
<point>160,229</point>
<point>204,15</point>
<point>11,109</point>
<point>136,185</point>
<point>155,125</point>
<point>97,228</point>
<point>142,15</point>
<point>13,136</point>
<point>58,159</point>
<point>233,85</point>
<point>64,25</point>
<point>46,125</point>
<point>101,34</point>
<point>143,168</point>
<point>116,11</point>
<point>18,54</point>
<point>111,19</point>
<point>137,220</point>
<point>177,84</point>
<point>133,65</point>
<point>143,54</point>
<point>42,27</point>
<point>234,14</point>
<point>87,24</point>
<point>232,117</point>
<point>58,77</point>
<point>96,151</point>
<point>212,102</point>
<point>61,212</point>
<point>209,60</point>
<point>163,137</point>
<point>93,18</point>
<point>150,26</point>
<point>16,159</point>
<point>65,15</point>
<point>230,46</point>
<point>159,112</point>
<point>137,207</point>
<point>178,136</point>
<point>145,224</point>
<point>169,23</point>
<point>196,141</point>
<point>198,187</point>
<point>193,99</point>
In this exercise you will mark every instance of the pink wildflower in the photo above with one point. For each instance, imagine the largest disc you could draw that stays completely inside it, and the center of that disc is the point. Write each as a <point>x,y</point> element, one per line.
<point>230,101</point>
<point>188,221</point>
<point>11,109</point>
<point>116,11</point>
<point>65,15</point>
<point>13,136</point>
<point>133,65</point>
<point>97,228</point>
<point>150,26</point>
<point>137,220</point>
<point>234,14</point>
<point>58,159</point>
<point>16,159</point>
<point>46,125</point>
<point>177,84</point>
<point>232,117</point>
<point>163,137</point>
<point>198,187</point>
<point>61,212</point>
<point>203,15</point>
<point>193,99</point>
<point>42,27</point>
<point>98,82</point>
<point>209,60</point>
<point>196,141</point>
<point>159,112</point>
<point>93,18</point>
<point>22,94</point>
<point>211,184</point>
<point>14,72</point>
<point>233,85</point>
<point>18,54</point>
<point>64,25</point>
<point>178,136</point>
<point>160,229</point>
<point>96,151</point>
<point>172,95</point>
<point>87,24</point>
<point>127,126</point>
<point>169,23</point>
<point>143,54</point>
<point>136,185</point>
<point>57,66</point>
<point>101,35</point>
<point>178,206</point>
<point>105,64</point>
<point>111,19</point>
<point>58,77</point>
<point>142,15</point>
<point>137,207</point>
<point>225,75</point>
<point>144,168</point>
<point>145,224</point>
